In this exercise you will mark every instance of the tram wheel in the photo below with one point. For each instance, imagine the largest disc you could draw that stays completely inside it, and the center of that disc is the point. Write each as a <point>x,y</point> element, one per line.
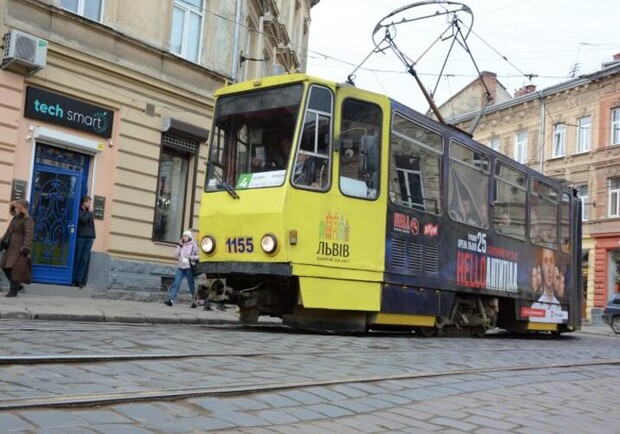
<point>248,315</point>
<point>427,332</point>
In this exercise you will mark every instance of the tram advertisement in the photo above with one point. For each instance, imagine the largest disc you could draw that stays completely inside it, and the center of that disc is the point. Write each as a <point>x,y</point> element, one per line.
<point>549,280</point>
<point>480,265</point>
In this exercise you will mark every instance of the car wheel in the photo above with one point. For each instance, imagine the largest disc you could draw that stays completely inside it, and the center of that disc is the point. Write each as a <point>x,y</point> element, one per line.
<point>615,324</point>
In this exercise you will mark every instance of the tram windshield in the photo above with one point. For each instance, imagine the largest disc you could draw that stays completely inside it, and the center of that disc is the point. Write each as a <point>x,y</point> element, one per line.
<point>252,139</point>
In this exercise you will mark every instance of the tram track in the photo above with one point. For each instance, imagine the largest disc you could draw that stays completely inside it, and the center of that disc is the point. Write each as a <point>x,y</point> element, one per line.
<point>137,357</point>
<point>113,398</point>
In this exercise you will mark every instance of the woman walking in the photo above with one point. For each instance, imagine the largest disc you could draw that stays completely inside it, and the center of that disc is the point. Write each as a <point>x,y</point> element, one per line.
<point>186,252</point>
<point>18,241</point>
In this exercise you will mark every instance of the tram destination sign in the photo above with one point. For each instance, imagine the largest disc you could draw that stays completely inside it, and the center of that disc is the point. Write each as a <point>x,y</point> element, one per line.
<point>69,112</point>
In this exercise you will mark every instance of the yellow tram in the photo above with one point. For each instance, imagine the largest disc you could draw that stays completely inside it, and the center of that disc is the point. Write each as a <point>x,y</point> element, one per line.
<point>335,208</point>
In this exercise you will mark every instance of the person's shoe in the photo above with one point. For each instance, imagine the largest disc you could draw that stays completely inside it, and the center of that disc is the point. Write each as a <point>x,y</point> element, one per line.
<point>11,294</point>
<point>20,288</point>
<point>168,302</point>
<point>194,305</point>
<point>207,307</point>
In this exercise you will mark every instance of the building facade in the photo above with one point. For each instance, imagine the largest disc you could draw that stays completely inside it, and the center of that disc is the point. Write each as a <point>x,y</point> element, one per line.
<point>113,99</point>
<point>570,131</point>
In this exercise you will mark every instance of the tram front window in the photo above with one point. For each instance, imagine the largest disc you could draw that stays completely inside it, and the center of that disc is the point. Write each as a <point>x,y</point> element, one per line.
<point>252,136</point>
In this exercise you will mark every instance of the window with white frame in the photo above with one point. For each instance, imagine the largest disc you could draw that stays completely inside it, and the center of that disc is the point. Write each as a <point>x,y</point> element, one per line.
<point>521,147</point>
<point>584,128</point>
<point>559,140</point>
<point>615,126</point>
<point>614,197</point>
<point>91,9</point>
<point>495,144</point>
<point>186,35</point>
<point>582,193</point>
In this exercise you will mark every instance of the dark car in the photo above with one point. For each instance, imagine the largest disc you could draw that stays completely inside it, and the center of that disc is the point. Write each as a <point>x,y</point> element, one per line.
<point>611,314</point>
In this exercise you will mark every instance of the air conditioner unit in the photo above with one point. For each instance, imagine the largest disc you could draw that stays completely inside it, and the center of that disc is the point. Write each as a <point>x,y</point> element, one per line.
<point>23,52</point>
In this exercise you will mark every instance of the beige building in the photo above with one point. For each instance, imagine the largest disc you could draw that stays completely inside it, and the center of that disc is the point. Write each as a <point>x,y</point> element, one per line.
<point>114,99</point>
<point>570,131</point>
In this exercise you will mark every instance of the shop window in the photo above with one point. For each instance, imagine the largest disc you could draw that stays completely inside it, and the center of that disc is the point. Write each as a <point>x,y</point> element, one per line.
<point>186,34</point>
<point>360,139</point>
<point>173,208</point>
<point>91,9</point>
<point>415,166</point>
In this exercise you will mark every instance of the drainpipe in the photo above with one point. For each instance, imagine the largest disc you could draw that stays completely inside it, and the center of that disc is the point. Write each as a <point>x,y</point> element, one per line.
<point>237,41</point>
<point>541,132</point>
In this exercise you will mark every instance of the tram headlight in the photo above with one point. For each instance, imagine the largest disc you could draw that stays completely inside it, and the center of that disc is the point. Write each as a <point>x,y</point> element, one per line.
<point>207,244</point>
<point>269,243</point>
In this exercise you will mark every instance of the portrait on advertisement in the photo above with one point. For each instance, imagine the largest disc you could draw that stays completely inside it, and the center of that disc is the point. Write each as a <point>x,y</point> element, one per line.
<point>548,286</point>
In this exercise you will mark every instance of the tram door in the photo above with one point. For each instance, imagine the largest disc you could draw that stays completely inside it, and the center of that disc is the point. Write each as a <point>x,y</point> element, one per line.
<point>59,181</point>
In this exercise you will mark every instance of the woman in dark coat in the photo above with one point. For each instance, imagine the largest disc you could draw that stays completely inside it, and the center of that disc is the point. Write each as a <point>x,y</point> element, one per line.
<point>84,243</point>
<point>19,233</point>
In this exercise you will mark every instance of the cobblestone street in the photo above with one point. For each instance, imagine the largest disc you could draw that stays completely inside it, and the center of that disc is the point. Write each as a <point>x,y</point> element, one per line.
<point>184,378</point>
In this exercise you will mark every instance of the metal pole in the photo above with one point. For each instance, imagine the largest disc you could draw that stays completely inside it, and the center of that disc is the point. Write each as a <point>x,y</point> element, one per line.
<point>237,41</point>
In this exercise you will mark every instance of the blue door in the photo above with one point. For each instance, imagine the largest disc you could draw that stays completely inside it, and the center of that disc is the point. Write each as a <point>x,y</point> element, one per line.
<point>58,185</point>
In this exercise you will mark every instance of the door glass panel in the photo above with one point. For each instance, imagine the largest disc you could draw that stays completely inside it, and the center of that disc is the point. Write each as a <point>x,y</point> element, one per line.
<point>61,158</point>
<point>54,200</point>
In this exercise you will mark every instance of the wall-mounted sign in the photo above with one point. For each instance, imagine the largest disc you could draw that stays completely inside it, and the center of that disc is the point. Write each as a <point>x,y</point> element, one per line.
<point>61,110</point>
<point>98,207</point>
<point>18,190</point>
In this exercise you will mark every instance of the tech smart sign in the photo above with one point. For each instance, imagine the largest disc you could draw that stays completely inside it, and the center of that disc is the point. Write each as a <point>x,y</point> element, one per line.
<point>61,110</point>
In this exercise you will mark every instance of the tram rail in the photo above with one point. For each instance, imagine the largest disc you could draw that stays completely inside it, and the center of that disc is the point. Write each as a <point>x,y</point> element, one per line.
<point>112,398</point>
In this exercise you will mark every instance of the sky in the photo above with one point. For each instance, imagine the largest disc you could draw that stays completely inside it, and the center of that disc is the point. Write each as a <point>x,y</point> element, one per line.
<point>512,38</point>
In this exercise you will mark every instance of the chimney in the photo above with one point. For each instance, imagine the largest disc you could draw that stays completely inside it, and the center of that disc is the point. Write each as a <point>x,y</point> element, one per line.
<point>525,90</point>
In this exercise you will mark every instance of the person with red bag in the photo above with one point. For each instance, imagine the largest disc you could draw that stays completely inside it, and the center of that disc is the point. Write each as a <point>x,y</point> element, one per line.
<point>17,240</point>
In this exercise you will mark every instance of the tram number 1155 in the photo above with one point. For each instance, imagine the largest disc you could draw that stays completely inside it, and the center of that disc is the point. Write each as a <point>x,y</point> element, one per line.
<point>240,244</point>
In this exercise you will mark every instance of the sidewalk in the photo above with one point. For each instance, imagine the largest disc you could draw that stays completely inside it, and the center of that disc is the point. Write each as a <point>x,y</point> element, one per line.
<point>58,305</point>
<point>72,308</point>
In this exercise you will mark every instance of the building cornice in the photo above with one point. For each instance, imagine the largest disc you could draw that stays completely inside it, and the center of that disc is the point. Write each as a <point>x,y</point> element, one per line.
<point>541,94</point>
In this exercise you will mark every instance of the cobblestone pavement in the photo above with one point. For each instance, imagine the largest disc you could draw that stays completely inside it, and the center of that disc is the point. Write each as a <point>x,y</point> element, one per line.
<point>479,395</point>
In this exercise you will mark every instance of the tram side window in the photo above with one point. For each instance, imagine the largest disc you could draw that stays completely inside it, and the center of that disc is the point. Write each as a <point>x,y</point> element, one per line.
<point>543,214</point>
<point>312,163</point>
<point>510,201</point>
<point>565,224</point>
<point>360,139</point>
<point>468,186</point>
<point>415,166</point>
